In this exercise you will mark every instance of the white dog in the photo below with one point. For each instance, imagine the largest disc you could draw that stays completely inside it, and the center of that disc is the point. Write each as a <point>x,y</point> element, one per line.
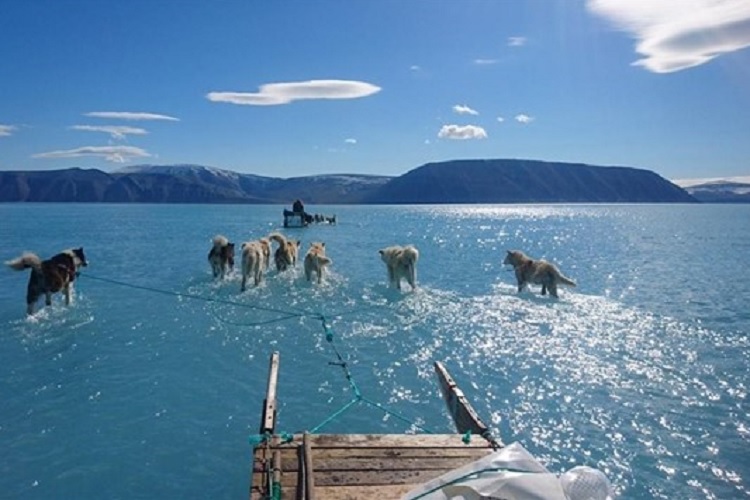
<point>253,262</point>
<point>401,263</point>
<point>316,261</point>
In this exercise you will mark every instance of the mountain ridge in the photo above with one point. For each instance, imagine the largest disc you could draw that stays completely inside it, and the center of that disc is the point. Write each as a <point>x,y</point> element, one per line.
<point>454,181</point>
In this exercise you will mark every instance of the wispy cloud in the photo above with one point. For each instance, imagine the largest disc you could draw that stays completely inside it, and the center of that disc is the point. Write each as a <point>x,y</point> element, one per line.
<point>500,119</point>
<point>116,131</point>
<point>415,67</point>
<point>462,132</point>
<point>6,130</point>
<point>672,36</point>
<point>273,94</point>
<point>516,41</point>
<point>485,62</point>
<point>522,118</point>
<point>127,115</point>
<point>117,154</point>
<point>350,141</point>
<point>464,110</point>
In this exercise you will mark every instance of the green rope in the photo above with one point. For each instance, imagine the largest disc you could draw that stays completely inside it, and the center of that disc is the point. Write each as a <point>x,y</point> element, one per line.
<point>195,296</point>
<point>284,315</point>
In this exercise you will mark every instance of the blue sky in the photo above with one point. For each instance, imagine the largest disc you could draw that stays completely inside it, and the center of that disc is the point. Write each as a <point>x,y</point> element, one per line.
<point>290,88</point>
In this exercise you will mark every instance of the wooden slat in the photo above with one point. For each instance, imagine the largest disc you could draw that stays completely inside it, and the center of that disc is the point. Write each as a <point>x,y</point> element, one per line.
<point>362,478</point>
<point>464,416</point>
<point>379,492</point>
<point>382,464</point>
<point>308,463</point>
<point>268,418</point>
<point>392,441</point>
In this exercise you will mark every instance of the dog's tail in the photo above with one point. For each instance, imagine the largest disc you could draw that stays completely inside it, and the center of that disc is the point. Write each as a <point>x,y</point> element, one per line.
<point>411,254</point>
<point>25,261</point>
<point>563,280</point>
<point>278,238</point>
<point>220,241</point>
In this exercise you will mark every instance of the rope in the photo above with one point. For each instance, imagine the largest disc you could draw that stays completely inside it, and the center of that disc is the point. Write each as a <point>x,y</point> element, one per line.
<point>256,440</point>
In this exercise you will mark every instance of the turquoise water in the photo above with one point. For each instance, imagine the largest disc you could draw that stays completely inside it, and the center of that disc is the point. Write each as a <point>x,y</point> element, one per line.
<point>641,371</point>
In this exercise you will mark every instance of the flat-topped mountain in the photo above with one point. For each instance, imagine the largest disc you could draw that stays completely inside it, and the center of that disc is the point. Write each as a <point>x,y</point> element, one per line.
<point>527,181</point>
<point>459,181</point>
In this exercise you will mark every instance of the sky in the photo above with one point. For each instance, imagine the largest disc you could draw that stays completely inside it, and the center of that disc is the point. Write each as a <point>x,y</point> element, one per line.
<point>295,88</point>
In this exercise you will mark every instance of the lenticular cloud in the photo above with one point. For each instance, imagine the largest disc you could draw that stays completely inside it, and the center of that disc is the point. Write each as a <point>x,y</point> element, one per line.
<point>273,94</point>
<point>673,35</point>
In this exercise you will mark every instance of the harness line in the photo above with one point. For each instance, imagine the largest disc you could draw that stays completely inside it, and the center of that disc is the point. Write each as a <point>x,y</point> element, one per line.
<point>258,439</point>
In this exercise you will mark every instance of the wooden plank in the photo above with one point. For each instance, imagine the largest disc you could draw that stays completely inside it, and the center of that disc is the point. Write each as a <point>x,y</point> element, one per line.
<point>362,478</point>
<point>309,474</point>
<point>268,418</point>
<point>381,464</point>
<point>463,414</point>
<point>392,441</point>
<point>379,492</point>
<point>398,453</point>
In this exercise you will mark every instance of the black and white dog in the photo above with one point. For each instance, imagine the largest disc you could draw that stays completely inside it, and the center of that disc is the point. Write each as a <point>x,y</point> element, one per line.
<point>49,276</point>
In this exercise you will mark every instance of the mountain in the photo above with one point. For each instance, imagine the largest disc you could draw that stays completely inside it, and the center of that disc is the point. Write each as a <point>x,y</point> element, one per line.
<point>527,181</point>
<point>459,181</point>
<point>720,191</point>
<point>180,184</point>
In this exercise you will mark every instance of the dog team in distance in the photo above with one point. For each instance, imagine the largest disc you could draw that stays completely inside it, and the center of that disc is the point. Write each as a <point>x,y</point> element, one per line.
<point>58,273</point>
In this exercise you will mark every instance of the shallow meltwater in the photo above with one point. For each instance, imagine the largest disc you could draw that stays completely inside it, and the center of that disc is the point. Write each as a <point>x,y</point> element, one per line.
<point>159,370</point>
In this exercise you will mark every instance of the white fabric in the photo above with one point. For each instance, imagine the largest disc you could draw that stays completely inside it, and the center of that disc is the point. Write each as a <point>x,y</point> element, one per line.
<point>521,477</point>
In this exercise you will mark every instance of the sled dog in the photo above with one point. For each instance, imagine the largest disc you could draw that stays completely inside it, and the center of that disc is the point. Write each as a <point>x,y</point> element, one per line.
<point>537,272</point>
<point>316,261</point>
<point>253,262</point>
<point>401,262</point>
<point>287,252</point>
<point>221,256</point>
<point>49,276</point>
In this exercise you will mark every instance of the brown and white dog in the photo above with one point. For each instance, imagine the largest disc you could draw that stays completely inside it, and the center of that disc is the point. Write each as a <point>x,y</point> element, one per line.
<point>253,262</point>
<point>401,263</point>
<point>537,272</point>
<point>265,244</point>
<point>287,252</point>
<point>316,261</point>
<point>221,256</point>
<point>49,276</point>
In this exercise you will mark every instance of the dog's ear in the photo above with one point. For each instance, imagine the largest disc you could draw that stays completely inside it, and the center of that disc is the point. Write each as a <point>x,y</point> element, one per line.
<point>381,251</point>
<point>323,244</point>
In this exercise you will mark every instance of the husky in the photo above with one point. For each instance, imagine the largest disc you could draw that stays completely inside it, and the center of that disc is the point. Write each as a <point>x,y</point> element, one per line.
<point>316,261</point>
<point>287,252</point>
<point>537,272</point>
<point>401,262</point>
<point>49,276</point>
<point>221,256</point>
<point>265,245</point>
<point>253,262</point>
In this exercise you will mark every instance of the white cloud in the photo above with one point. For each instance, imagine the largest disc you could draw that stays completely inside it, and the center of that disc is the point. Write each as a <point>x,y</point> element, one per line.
<point>462,132</point>
<point>414,67</point>
<point>522,118</point>
<point>516,41</point>
<point>485,62</point>
<point>464,110</point>
<point>116,131</point>
<point>350,141</point>
<point>273,94</point>
<point>500,119</point>
<point>117,154</point>
<point>127,115</point>
<point>6,130</point>
<point>673,35</point>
